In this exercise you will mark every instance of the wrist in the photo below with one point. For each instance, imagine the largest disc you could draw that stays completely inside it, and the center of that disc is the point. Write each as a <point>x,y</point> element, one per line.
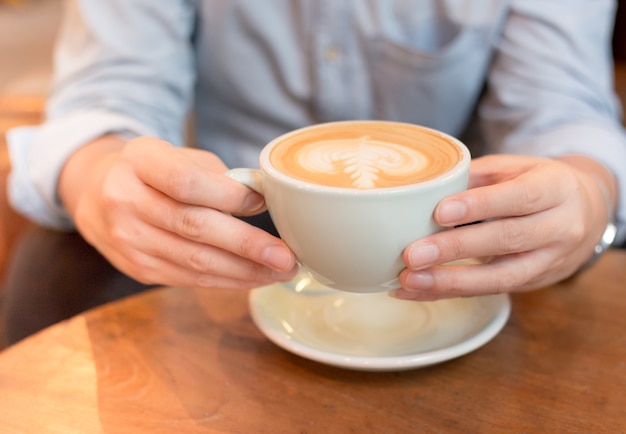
<point>82,167</point>
<point>606,183</point>
<point>610,232</point>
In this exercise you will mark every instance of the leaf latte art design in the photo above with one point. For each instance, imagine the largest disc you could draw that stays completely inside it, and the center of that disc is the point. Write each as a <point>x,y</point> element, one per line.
<point>364,161</point>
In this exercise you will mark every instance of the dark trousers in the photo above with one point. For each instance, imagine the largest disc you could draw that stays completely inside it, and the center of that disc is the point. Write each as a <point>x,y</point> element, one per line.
<point>52,276</point>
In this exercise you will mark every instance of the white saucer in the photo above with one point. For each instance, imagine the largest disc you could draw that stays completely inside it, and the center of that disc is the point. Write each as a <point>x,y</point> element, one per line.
<point>374,332</point>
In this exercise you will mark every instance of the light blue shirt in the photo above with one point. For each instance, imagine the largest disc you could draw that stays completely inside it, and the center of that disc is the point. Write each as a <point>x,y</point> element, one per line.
<point>251,70</point>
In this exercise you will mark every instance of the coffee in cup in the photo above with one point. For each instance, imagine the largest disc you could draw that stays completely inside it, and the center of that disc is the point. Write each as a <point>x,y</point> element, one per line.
<point>348,197</point>
<point>365,155</point>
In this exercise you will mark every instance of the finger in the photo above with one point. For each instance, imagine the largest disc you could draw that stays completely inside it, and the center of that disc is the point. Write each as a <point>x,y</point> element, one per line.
<point>145,241</point>
<point>495,169</point>
<point>189,179</point>
<point>153,270</point>
<point>206,160</point>
<point>210,259</point>
<point>490,238</point>
<point>139,203</point>
<point>526,194</point>
<point>254,203</point>
<point>211,227</point>
<point>511,273</point>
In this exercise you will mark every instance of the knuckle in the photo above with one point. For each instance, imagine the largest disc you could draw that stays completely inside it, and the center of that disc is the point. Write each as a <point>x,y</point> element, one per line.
<point>575,232</point>
<point>204,281</point>
<point>180,182</point>
<point>511,277</point>
<point>504,282</point>
<point>135,148</point>
<point>529,198</point>
<point>511,237</point>
<point>137,266</point>
<point>446,284</point>
<point>125,236</point>
<point>455,247</point>
<point>111,200</point>
<point>191,225</point>
<point>501,286</point>
<point>248,247</point>
<point>200,261</point>
<point>119,235</point>
<point>114,201</point>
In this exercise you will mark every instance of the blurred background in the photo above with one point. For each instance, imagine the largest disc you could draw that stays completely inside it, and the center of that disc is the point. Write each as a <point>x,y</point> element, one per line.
<point>28,28</point>
<point>27,31</point>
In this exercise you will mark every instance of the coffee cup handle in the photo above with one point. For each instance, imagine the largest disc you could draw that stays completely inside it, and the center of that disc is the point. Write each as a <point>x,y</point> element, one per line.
<point>304,280</point>
<point>251,178</point>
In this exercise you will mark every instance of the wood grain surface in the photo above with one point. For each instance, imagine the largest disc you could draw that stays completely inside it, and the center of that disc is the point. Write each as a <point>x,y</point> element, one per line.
<point>178,360</point>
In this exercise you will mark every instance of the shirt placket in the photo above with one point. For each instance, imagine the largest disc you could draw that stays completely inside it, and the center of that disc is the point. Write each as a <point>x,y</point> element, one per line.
<point>336,76</point>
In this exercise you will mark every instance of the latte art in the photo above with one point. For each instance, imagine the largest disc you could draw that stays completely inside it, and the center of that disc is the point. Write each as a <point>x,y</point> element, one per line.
<point>364,161</point>
<point>365,154</point>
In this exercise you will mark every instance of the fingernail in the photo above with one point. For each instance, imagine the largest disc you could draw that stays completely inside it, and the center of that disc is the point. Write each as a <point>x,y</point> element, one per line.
<point>419,280</point>
<point>451,212</point>
<point>402,294</point>
<point>422,254</point>
<point>253,202</point>
<point>278,258</point>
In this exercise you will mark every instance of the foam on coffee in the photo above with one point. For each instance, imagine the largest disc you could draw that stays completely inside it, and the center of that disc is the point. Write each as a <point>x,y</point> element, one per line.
<point>365,155</point>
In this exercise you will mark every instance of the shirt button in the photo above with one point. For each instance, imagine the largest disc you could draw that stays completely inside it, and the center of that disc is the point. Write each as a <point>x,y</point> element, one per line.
<point>332,53</point>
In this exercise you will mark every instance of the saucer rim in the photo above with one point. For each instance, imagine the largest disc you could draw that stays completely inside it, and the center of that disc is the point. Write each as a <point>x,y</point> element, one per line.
<point>385,363</point>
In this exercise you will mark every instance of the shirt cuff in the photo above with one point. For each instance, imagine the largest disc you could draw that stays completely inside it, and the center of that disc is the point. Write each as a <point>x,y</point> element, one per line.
<point>604,143</point>
<point>38,153</point>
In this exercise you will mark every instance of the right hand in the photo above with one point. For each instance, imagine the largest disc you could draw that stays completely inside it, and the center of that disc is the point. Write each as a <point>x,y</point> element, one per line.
<point>161,214</point>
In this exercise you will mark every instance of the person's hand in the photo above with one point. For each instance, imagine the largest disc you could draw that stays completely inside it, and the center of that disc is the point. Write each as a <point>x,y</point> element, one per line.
<point>539,222</point>
<point>162,215</point>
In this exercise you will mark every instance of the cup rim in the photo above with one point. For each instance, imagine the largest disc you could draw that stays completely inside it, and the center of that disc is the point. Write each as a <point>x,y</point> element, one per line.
<point>266,166</point>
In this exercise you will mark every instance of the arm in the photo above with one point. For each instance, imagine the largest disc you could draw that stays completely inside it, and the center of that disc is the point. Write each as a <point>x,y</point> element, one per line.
<point>545,200</point>
<point>551,88</point>
<point>157,212</point>
<point>120,67</point>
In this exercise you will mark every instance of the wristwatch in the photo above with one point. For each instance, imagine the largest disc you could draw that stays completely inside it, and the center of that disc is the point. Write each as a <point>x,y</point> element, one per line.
<point>607,240</point>
<point>610,233</point>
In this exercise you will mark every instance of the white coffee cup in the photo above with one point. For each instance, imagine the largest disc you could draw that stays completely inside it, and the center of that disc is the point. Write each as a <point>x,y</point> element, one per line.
<point>351,237</point>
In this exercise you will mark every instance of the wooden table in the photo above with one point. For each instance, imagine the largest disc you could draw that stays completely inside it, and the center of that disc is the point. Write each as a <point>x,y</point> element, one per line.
<point>186,361</point>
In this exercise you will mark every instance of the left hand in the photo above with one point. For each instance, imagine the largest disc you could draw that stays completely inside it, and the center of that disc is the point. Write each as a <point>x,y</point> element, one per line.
<point>540,220</point>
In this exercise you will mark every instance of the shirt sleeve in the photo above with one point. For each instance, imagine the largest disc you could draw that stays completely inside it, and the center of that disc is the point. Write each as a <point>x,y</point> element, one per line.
<point>550,90</point>
<point>124,67</point>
